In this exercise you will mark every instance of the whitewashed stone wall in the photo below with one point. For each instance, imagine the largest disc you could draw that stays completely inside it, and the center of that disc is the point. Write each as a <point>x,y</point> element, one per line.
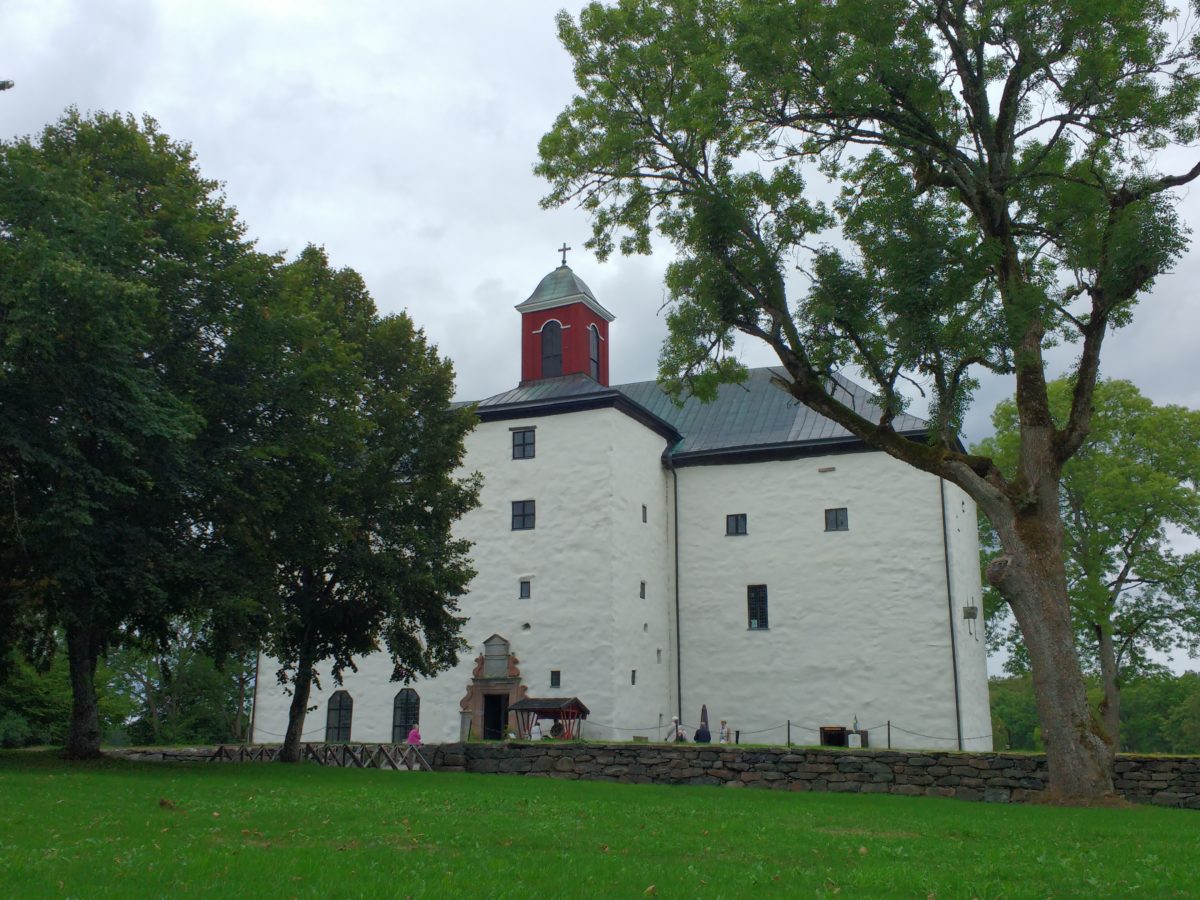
<point>591,474</point>
<point>859,619</point>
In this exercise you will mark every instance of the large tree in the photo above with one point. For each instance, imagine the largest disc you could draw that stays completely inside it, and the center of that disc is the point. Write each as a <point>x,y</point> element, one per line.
<point>1134,478</point>
<point>121,269</point>
<point>357,487</point>
<point>1001,193</point>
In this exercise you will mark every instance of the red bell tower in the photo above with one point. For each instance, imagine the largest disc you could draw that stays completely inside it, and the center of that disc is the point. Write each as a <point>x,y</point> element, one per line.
<point>564,329</point>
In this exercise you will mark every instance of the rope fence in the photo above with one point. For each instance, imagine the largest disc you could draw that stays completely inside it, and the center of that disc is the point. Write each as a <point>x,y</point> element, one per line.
<point>790,727</point>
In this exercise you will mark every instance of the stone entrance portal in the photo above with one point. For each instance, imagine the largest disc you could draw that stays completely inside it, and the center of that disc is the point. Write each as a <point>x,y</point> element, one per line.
<point>495,686</point>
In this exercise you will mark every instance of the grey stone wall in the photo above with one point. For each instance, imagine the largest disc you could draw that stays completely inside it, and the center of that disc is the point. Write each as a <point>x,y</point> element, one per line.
<point>991,777</point>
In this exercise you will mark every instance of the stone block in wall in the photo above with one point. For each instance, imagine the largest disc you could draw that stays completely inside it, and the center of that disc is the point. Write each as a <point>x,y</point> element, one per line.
<point>996,795</point>
<point>907,790</point>
<point>874,787</point>
<point>968,771</point>
<point>920,761</point>
<point>845,787</point>
<point>936,791</point>
<point>1167,798</point>
<point>967,793</point>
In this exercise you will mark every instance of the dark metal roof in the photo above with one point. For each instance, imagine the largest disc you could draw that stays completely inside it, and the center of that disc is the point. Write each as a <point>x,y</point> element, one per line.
<point>757,415</point>
<point>550,705</point>
<point>754,417</point>
<point>561,284</point>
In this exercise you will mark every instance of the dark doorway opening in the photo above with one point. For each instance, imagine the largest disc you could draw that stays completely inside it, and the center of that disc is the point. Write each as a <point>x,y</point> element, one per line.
<point>495,715</point>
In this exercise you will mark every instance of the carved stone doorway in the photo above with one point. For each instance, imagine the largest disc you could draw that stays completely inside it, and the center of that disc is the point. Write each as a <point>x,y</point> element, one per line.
<point>495,686</point>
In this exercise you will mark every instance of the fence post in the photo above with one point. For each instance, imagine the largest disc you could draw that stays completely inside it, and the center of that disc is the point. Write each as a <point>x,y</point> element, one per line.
<point>737,736</point>
<point>789,733</point>
<point>889,734</point>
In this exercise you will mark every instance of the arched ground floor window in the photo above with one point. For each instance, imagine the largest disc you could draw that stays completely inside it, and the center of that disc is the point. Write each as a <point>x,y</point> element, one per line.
<point>338,716</point>
<point>406,712</point>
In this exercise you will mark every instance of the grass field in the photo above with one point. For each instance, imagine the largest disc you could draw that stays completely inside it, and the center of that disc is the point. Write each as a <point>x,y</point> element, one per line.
<point>120,829</point>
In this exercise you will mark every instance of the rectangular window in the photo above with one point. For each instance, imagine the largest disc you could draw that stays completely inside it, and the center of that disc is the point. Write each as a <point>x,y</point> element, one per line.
<point>837,519</point>
<point>644,514</point>
<point>735,524</point>
<point>555,678</point>
<point>525,590</point>
<point>756,607</point>
<point>642,590</point>
<point>523,443</point>
<point>633,676</point>
<point>522,515</point>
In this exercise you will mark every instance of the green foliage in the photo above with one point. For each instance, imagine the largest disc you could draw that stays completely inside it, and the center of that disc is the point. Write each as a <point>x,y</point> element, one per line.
<point>1124,493</point>
<point>180,694</point>
<point>247,830</point>
<point>1159,713</point>
<point>35,705</point>
<point>992,165</point>
<point>1014,714</point>
<point>1001,193</point>
<point>121,273</point>
<point>356,452</point>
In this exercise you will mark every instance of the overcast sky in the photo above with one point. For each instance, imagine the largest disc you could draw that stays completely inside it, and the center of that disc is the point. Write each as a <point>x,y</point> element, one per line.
<point>401,136</point>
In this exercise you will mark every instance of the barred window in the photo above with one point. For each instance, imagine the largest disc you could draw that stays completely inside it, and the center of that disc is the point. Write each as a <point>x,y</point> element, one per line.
<point>406,712</point>
<point>735,524</point>
<point>522,515</point>
<point>837,519</point>
<point>523,443</point>
<point>337,717</point>
<point>756,607</point>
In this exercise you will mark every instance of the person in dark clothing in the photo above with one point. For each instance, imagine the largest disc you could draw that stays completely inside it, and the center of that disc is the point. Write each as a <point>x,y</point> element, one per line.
<point>702,735</point>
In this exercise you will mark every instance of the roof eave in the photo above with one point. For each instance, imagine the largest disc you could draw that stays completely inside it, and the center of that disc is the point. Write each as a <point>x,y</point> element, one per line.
<point>554,302</point>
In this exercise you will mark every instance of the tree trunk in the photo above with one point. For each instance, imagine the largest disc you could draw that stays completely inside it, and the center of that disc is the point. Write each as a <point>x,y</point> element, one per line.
<point>301,690</point>
<point>1032,578</point>
<point>83,738</point>
<point>1110,706</point>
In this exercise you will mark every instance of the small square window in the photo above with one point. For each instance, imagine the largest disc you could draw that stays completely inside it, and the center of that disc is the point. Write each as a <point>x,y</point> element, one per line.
<point>522,515</point>
<point>735,524</point>
<point>525,590</point>
<point>837,519</point>
<point>633,676</point>
<point>645,514</point>
<point>642,590</point>
<point>523,443</point>
<point>555,678</point>
<point>756,607</point>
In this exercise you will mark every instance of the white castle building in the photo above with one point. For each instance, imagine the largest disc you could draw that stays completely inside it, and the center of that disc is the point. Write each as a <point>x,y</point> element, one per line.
<point>747,554</point>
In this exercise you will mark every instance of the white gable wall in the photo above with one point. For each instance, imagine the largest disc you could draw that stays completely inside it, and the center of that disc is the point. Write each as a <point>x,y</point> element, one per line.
<point>859,620</point>
<point>591,473</point>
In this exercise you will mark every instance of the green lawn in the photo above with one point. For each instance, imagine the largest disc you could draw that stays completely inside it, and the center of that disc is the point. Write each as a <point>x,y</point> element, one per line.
<point>153,829</point>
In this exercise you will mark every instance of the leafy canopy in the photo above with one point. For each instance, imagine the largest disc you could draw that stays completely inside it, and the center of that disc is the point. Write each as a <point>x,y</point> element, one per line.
<point>999,178</point>
<point>1126,495</point>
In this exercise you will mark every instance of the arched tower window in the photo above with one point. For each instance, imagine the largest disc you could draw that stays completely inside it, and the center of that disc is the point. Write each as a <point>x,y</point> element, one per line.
<point>552,359</point>
<point>338,716</point>
<point>594,351</point>
<point>406,712</point>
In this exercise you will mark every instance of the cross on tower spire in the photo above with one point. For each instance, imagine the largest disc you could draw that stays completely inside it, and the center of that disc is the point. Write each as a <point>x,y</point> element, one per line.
<point>563,250</point>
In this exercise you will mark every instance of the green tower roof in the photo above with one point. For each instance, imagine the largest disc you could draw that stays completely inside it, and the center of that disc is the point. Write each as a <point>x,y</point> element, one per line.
<point>559,288</point>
